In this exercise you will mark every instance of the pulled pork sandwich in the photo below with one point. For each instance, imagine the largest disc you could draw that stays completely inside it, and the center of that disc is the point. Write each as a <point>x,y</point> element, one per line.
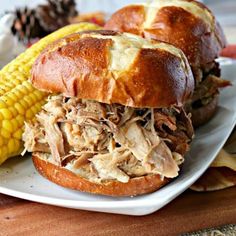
<point>117,126</point>
<point>190,26</point>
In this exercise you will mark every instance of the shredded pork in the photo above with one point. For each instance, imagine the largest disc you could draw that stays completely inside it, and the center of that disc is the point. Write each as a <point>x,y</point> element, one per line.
<point>207,85</point>
<point>103,142</point>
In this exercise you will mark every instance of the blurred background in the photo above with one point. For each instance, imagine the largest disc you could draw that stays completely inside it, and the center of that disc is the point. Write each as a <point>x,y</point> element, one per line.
<point>225,10</point>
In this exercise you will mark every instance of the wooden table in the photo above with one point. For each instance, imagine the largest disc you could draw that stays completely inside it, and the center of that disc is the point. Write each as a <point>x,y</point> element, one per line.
<point>189,212</point>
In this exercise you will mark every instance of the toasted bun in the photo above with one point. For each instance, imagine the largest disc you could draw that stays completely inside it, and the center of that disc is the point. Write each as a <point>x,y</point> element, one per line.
<point>68,179</point>
<point>203,114</point>
<point>111,67</point>
<point>186,24</point>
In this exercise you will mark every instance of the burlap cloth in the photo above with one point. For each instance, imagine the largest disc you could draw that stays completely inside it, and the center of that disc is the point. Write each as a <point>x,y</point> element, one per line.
<point>226,230</point>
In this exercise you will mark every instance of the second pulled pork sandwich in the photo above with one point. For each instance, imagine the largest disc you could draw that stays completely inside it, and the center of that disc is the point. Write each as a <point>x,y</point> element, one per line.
<point>117,126</point>
<point>190,26</point>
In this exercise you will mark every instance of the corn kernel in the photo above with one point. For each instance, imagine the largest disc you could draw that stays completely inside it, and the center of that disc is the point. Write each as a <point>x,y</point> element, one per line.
<point>18,134</point>
<point>28,86</point>
<point>38,94</point>
<point>6,113</point>
<point>4,89</point>
<point>12,96</point>
<point>5,133</point>
<point>4,152</point>
<point>2,104</point>
<point>22,90</point>
<point>19,108</point>
<point>38,107</point>
<point>17,80</point>
<point>9,84</point>
<point>18,144</point>
<point>18,93</point>
<point>11,145</point>
<point>6,124</point>
<point>14,124</point>
<point>34,110</point>
<point>29,114</point>
<point>13,111</point>
<point>28,100</point>
<point>8,100</point>
<point>24,103</point>
<point>20,120</point>
<point>1,141</point>
<point>33,97</point>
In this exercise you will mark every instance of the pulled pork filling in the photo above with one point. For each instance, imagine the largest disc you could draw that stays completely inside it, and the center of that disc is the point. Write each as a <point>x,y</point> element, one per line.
<point>207,84</point>
<point>109,142</point>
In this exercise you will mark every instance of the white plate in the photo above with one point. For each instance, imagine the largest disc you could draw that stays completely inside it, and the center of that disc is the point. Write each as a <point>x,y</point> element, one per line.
<point>18,177</point>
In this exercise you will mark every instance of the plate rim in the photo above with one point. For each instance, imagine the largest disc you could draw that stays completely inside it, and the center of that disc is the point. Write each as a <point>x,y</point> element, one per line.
<point>143,204</point>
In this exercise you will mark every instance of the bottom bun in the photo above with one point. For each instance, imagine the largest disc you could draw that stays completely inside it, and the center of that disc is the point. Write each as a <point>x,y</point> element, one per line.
<point>68,179</point>
<point>202,115</point>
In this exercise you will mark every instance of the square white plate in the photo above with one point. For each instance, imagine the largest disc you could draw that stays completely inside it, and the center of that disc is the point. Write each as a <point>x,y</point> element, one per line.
<point>18,177</point>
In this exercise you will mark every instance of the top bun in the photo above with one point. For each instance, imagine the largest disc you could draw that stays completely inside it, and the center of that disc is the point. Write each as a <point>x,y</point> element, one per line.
<point>111,67</point>
<point>186,24</point>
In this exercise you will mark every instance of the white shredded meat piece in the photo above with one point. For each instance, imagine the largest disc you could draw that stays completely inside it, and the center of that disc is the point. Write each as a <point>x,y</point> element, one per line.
<point>107,164</point>
<point>53,136</point>
<point>149,149</point>
<point>103,142</point>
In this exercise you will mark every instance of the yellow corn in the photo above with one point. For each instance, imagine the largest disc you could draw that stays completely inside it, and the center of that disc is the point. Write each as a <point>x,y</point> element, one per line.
<point>19,100</point>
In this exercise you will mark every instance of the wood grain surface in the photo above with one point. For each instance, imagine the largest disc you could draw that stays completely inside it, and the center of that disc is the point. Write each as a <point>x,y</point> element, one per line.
<point>189,212</point>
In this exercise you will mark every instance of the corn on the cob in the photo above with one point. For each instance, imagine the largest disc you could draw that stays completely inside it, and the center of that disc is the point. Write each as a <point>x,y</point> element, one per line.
<point>19,100</point>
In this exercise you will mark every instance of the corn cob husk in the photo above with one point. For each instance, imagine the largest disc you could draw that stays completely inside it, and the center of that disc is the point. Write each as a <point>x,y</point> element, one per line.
<point>19,100</point>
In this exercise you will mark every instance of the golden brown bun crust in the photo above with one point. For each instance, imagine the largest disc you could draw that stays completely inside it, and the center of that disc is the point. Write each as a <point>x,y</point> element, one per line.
<point>202,115</point>
<point>80,66</point>
<point>66,178</point>
<point>176,26</point>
